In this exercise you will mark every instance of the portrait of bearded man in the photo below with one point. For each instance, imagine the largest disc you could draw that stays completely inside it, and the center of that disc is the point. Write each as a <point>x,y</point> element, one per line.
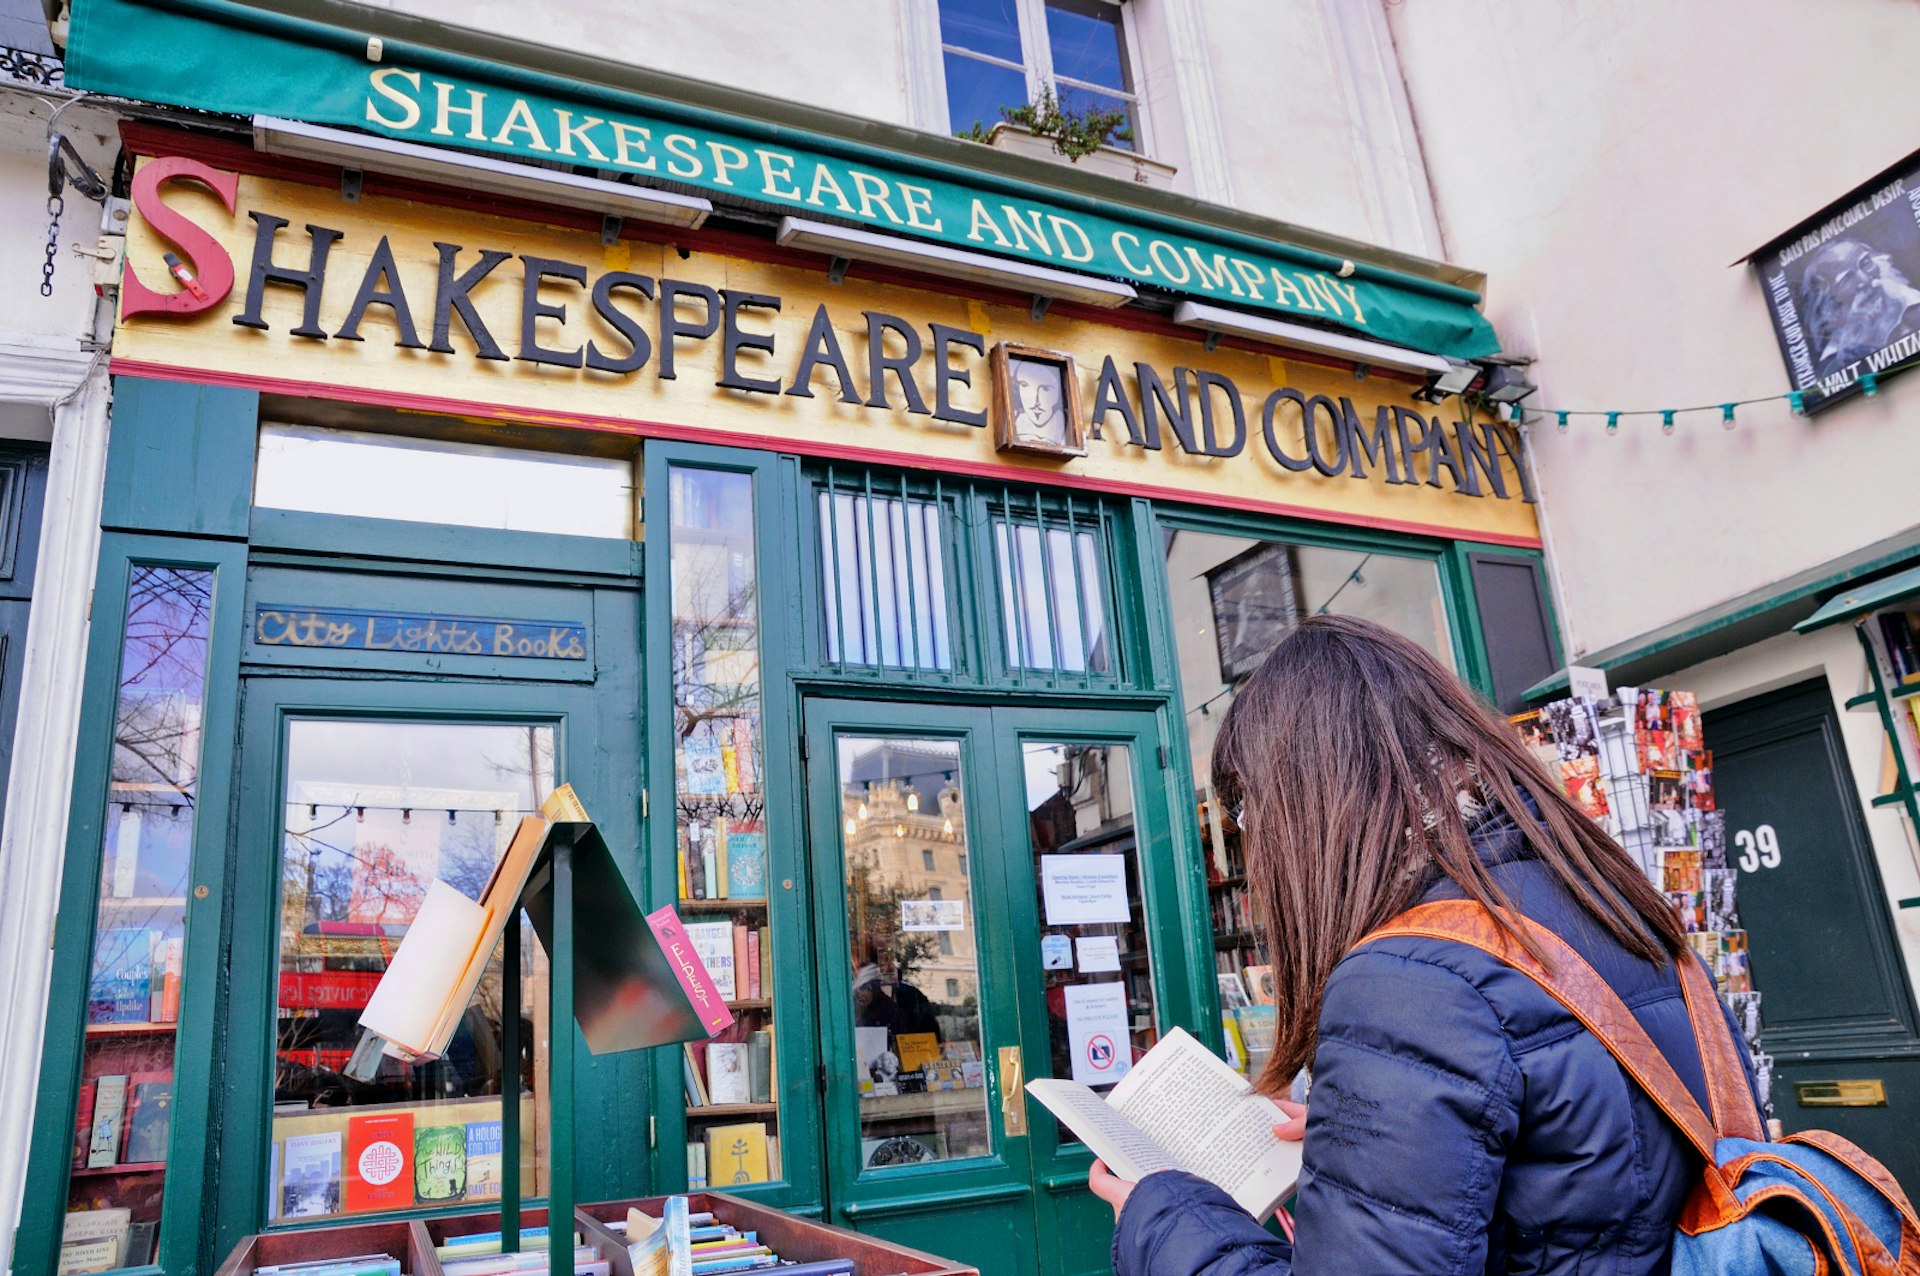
<point>1855,301</point>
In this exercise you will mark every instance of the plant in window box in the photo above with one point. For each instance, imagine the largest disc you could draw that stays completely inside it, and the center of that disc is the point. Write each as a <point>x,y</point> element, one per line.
<point>1048,129</point>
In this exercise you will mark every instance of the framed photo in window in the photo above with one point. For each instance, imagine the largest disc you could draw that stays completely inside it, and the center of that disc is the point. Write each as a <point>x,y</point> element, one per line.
<point>1256,603</point>
<point>1036,402</point>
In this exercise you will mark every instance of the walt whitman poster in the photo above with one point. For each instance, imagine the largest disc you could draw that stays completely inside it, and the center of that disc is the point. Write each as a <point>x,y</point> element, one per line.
<point>1842,288</point>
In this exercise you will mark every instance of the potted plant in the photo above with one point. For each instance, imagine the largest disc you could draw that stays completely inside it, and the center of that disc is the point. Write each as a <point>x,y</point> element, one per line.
<point>1045,129</point>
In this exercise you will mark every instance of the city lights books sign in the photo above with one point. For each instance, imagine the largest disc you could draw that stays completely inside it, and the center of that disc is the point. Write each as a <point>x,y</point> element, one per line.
<point>1844,288</point>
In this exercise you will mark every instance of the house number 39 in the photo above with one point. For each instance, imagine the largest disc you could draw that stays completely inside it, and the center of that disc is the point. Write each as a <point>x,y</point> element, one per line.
<point>1759,848</point>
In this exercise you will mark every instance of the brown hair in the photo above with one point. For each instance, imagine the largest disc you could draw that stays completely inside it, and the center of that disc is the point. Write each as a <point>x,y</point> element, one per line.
<point>1346,752</point>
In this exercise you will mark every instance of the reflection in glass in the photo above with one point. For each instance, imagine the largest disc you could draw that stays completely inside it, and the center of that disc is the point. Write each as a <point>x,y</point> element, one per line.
<point>1050,597</point>
<point>1089,62</point>
<point>375,811</point>
<point>918,1059</point>
<point>1080,803</point>
<point>885,581</point>
<point>124,1122</point>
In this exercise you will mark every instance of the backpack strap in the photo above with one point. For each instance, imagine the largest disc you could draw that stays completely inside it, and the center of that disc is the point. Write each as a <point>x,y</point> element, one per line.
<point>1587,997</point>
<point>1734,1114</point>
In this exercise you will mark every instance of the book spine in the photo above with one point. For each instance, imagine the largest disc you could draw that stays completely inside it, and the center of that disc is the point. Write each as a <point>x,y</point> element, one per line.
<point>759,1067</point>
<point>681,856</point>
<point>170,993</point>
<point>707,868</point>
<point>109,1112</point>
<point>83,1126</point>
<point>701,995</point>
<point>696,1166</point>
<point>740,985</point>
<point>696,864</point>
<point>1901,653</point>
<point>766,958</point>
<point>156,975</point>
<point>753,963</point>
<point>720,858</point>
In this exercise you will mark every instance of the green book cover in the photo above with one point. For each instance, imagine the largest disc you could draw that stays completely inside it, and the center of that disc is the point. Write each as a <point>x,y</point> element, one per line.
<point>439,1163</point>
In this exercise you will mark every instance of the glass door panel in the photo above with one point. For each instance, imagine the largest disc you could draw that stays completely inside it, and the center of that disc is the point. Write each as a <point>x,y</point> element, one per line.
<point>374,811</point>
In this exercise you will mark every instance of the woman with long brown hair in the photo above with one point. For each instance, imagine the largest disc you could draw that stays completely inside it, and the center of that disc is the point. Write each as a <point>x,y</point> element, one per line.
<point>1460,1119</point>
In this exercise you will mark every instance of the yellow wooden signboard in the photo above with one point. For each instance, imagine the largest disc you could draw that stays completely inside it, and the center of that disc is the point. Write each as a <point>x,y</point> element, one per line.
<point>297,290</point>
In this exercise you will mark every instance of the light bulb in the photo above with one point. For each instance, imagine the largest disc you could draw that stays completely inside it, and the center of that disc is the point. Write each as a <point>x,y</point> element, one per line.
<point>913,801</point>
<point>949,828</point>
<point>1613,423</point>
<point>899,830</point>
<point>850,828</point>
<point>863,810</point>
<point>1562,421</point>
<point>1666,421</point>
<point>1726,416</point>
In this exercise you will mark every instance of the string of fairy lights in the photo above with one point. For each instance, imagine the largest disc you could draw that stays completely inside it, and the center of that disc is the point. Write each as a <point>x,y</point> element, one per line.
<point>1868,383</point>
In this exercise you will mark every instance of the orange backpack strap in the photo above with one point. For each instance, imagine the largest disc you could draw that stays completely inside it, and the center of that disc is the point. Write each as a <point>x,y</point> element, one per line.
<point>1577,986</point>
<point>1734,1114</point>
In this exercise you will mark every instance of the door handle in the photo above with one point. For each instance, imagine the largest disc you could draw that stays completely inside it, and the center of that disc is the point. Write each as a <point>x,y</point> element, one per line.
<point>1013,1093</point>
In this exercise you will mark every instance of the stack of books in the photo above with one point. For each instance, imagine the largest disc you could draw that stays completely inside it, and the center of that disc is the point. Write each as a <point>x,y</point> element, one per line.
<point>685,1242</point>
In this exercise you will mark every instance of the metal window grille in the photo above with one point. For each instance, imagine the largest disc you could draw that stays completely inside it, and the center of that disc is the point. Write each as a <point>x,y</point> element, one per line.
<point>1052,586</point>
<point>884,575</point>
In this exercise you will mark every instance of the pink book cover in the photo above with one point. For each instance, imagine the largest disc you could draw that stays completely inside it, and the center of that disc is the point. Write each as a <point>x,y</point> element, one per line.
<point>695,982</point>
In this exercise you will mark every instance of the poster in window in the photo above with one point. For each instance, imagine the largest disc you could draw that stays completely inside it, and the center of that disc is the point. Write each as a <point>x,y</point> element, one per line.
<point>1843,288</point>
<point>1256,603</point>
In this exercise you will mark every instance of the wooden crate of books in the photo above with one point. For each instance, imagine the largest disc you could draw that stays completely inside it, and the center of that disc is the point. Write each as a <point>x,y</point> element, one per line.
<point>404,1243</point>
<point>794,1239</point>
<point>464,1243</point>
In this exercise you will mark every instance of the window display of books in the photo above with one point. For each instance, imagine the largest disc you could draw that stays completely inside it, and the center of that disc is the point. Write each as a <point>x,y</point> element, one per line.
<point>1637,763</point>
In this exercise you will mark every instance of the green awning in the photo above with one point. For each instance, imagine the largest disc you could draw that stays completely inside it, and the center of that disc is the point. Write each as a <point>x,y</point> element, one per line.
<point>1859,601</point>
<point>1795,603</point>
<point>247,59</point>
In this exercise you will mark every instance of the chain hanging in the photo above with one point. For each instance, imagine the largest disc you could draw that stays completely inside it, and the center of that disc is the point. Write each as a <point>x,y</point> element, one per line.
<point>55,206</point>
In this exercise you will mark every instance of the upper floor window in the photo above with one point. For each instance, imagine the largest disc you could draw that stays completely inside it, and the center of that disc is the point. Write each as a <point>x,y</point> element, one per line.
<point>1006,53</point>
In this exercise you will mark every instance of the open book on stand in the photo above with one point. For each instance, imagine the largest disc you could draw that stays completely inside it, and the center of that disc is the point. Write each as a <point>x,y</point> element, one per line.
<point>1182,1108</point>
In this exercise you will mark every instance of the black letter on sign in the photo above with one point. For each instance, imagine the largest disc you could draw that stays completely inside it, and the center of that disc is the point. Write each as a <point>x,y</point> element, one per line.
<point>733,341</point>
<point>453,297</point>
<point>1502,437</point>
<point>1207,383</point>
<point>638,346</point>
<point>381,266</point>
<point>672,329</point>
<point>945,375</point>
<point>822,346</point>
<point>1476,455</point>
<point>1407,448</point>
<point>878,364</point>
<point>264,272</point>
<point>1369,447</point>
<point>1177,404</point>
<point>1321,462</point>
<point>1442,453</point>
<point>532,310</point>
<point>1110,396</point>
<point>1274,400</point>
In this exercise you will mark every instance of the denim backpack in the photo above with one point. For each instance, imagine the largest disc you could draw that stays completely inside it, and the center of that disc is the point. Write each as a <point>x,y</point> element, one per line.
<point>1810,1205</point>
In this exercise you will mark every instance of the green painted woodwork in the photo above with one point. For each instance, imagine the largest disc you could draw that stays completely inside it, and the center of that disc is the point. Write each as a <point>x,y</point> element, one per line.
<point>1860,600</point>
<point>180,458</point>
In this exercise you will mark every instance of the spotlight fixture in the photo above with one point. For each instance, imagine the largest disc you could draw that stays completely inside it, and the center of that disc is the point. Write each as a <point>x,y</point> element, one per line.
<point>1454,380</point>
<point>1506,384</point>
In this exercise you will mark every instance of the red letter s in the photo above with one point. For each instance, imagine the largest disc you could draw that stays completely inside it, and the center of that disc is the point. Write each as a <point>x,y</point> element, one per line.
<point>208,260</point>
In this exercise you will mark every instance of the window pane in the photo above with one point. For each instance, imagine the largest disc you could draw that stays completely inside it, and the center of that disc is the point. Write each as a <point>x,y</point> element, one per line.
<point>918,1062</point>
<point>1080,809</point>
<point>124,1121</point>
<point>1234,598</point>
<point>977,90</point>
<point>719,819</point>
<point>984,26</point>
<point>375,812</point>
<point>1126,137</point>
<point>1050,598</point>
<point>884,582</point>
<point>1086,44</point>
<point>437,481</point>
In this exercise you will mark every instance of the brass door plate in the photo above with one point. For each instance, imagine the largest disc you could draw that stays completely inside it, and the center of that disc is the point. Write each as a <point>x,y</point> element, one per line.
<point>1013,1093</point>
<point>1841,1094</point>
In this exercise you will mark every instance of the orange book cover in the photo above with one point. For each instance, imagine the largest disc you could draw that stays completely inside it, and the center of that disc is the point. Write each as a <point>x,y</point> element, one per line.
<point>379,1169</point>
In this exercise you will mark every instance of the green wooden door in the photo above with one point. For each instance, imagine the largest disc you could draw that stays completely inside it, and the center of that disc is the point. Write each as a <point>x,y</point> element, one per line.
<point>357,794</point>
<point>987,883</point>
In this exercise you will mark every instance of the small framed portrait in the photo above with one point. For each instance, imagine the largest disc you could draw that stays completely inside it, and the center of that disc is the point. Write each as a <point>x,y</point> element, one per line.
<point>1036,402</point>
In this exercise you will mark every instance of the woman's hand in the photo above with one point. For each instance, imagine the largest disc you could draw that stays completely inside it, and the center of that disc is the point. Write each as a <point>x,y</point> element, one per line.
<point>1294,1128</point>
<point>1104,1184</point>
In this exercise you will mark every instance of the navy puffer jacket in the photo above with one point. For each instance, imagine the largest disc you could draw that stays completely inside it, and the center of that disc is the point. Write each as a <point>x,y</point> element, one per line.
<point>1461,1121</point>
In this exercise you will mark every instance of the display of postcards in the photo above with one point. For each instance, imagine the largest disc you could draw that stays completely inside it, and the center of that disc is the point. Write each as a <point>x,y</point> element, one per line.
<point>1690,907</point>
<point>1666,790</point>
<point>1575,727</point>
<point>1670,829</point>
<point>1763,1081</point>
<point>1746,1013</point>
<point>1680,870</point>
<point>1617,760</point>
<point>1655,750</point>
<point>1652,709</point>
<point>1735,973</point>
<point>1534,731</point>
<point>1718,883</point>
<point>1707,944</point>
<point>1627,803</point>
<point>1581,779</point>
<point>1683,708</point>
<point>1700,789</point>
<point>1713,839</point>
<point>1233,993</point>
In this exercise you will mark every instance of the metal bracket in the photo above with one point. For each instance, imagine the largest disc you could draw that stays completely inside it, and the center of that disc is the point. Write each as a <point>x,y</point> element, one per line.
<point>67,167</point>
<point>1212,342</point>
<point>610,229</point>
<point>351,180</point>
<point>1361,371</point>
<point>837,269</point>
<point>1038,310</point>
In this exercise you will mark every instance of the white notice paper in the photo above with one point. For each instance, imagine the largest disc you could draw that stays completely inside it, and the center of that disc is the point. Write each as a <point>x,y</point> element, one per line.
<point>1083,890</point>
<point>1097,1032</point>
<point>1098,953</point>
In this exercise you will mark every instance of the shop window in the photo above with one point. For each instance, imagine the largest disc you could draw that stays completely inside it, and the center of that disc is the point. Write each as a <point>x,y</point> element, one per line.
<point>364,475</point>
<point>719,800</point>
<point>375,813</point>
<point>1006,53</point>
<point>1053,590</point>
<point>122,1131</point>
<point>1233,598</point>
<point>884,578</point>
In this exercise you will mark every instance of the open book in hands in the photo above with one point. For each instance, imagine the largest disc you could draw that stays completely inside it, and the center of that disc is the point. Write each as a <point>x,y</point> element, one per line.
<point>1181,1108</point>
